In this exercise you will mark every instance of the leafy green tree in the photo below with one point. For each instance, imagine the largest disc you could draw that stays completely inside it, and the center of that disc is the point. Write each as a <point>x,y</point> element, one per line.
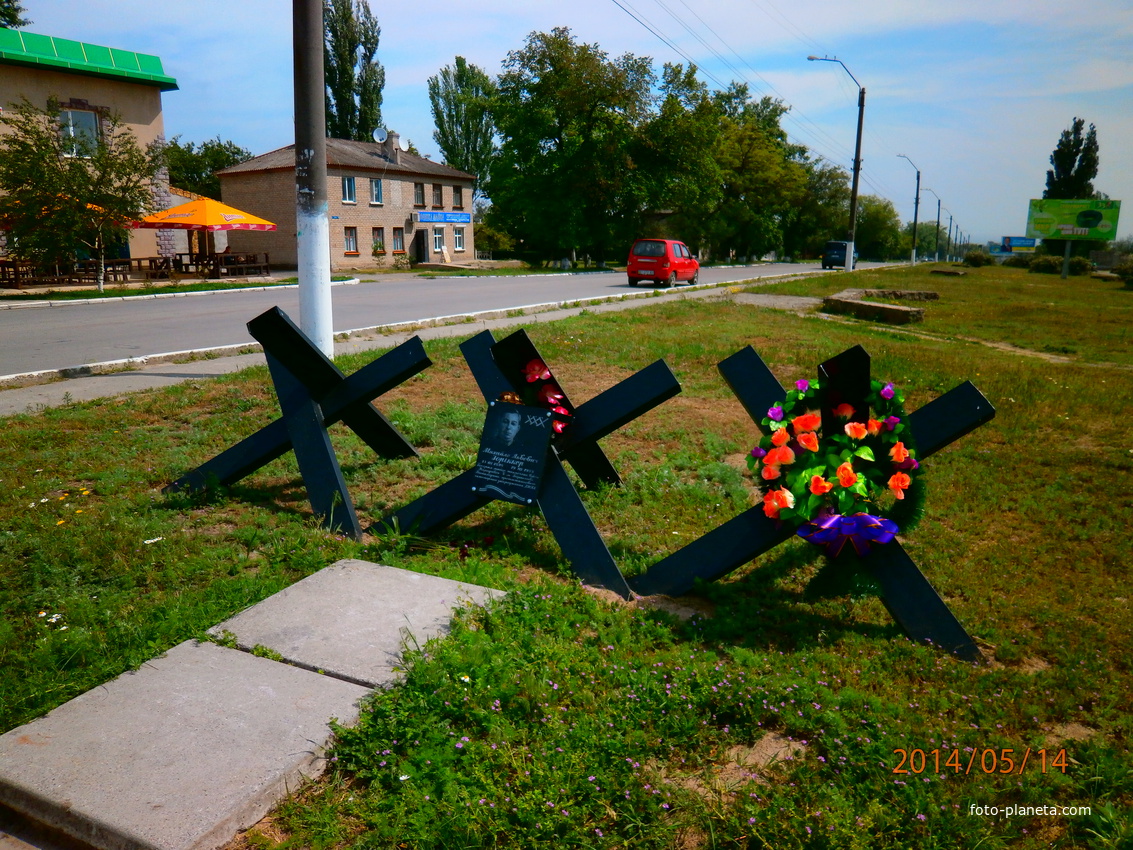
<point>878,233</point>
<point>63,195</point>
<point>564,179</point>
<point>193,166</point>
<point>460,97</point>
<point>1075,161</point>
<point>928,237</point>
<point>821,212</point>
<point>1075,165</point>
<point>354,79</point>
<point>762,178</point>
<point>12,14</point>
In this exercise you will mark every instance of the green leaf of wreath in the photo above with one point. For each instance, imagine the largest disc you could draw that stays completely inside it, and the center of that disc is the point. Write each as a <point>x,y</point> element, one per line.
<point>865,452</point>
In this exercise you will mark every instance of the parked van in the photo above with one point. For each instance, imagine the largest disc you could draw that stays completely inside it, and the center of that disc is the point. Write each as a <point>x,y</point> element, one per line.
<point>834,257</point>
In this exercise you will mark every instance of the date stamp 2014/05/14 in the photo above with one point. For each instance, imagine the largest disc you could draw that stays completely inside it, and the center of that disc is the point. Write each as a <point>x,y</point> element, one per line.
<point>986,761</point>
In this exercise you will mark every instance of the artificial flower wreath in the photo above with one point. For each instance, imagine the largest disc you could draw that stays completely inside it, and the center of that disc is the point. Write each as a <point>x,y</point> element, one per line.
<point>546,393</point>
<point>858,485</point>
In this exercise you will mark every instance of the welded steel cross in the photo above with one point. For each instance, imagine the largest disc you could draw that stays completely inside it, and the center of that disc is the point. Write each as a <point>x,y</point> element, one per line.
<point>498,368</point>
<point>905,592</point>
<point>313,395</point>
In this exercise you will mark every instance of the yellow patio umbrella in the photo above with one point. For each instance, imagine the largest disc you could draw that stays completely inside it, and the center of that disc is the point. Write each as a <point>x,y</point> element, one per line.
<point>204,214</point>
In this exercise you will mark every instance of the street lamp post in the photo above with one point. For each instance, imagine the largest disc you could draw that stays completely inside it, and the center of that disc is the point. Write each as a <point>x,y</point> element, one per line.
<point>936,245</point>
<point>857,157</point>
<point>948,249</point>
<point>916,204</point>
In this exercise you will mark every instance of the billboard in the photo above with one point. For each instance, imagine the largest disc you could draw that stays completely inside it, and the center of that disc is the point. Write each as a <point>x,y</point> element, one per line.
<point>1018,245</point>
<point>1073,219</point>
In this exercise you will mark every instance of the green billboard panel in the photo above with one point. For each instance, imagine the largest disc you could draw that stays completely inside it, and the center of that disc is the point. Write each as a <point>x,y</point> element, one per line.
<point>1063,219</point>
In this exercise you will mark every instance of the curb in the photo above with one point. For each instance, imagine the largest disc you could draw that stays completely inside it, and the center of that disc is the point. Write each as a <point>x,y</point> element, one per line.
<point>118,299</point>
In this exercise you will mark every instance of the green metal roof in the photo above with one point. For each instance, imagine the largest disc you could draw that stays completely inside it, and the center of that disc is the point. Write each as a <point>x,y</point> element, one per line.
<point>60,54</point>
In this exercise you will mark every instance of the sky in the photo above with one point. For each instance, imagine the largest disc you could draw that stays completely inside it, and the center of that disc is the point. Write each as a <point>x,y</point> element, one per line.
<point>973,93</point>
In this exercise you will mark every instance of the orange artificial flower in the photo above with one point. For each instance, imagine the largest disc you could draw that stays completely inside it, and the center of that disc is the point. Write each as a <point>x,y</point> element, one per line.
<point>855,430</point>
<point>846,475</point>
<point>844,411</point>
<point>776,501</point>
<point>820,486</point>
<point>809,441</point>
<point>899,483</point>
<point>806,422</point>
<point>780,437</point>
<point>898,452</point>
<point>778,455</point>
<point>770,471</point>
<point>874,427</point>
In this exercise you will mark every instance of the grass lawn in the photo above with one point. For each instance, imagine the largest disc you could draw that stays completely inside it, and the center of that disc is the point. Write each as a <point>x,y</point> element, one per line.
<point>774,708</point>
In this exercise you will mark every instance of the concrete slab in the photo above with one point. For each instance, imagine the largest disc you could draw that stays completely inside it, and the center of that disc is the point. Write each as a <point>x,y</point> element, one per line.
<point>351,619</point>
<point>179,755</point>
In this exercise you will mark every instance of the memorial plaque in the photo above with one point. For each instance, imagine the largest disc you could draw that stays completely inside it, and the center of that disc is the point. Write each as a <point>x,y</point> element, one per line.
<point>513,452</point>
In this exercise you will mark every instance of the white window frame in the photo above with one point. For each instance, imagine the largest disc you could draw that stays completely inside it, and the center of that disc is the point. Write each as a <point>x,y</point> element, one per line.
<point>458,239</point>
<point>376,191</point>
<point>349,195</point>
<point>438,240</point>
<point>71,132</point>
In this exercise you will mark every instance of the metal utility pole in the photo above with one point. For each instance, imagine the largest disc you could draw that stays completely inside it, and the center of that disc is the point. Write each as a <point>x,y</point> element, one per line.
<point>312,227</point>
<point>936,245</point>
<point>916,205</point>
<point>853,228</point>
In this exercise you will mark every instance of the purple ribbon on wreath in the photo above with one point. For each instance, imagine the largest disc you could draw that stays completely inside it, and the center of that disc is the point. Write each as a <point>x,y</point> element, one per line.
<point>860,530</point>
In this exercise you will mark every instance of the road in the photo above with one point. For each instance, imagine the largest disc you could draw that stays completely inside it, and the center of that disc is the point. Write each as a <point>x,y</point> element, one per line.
<point>62,336</point>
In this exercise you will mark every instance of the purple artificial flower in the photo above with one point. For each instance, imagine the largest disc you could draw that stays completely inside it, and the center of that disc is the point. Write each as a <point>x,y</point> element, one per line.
<point>776,413</point>
<point>908,463</point>
<point>891,422</point>
<point>757,452</point>
<point>803,385</point>
<point>887,391</point>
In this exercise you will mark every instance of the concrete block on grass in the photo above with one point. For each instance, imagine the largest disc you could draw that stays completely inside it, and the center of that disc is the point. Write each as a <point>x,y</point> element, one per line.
<point>351,619</point>
<point>179,755</point>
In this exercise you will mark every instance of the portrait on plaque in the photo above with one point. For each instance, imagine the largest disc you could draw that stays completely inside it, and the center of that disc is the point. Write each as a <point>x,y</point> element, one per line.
<point>513,452</point>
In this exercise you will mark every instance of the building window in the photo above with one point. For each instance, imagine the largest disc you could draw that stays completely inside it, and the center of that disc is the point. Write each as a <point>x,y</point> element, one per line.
<point>350,237</point>
<point>438,195</point>
<point>375,190</point>
<point>438,240</point>
<point>80,131</point>
<point>379,239</point>
<point>398,239</point>
<point>458,238</point>
<point>348,190</point>
<point>419,194</point>
<point>457,197</point>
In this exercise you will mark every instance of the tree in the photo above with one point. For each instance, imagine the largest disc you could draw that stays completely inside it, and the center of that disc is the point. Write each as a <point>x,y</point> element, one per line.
<point>193,167</point>
<point>12,14</point>
<point>821,213</point>
<point>61,194</point>
<point>878,232</point>
<point>460,98</point>
<point>354,79</point>
<point>568,117</point>
<point>1075,161</point>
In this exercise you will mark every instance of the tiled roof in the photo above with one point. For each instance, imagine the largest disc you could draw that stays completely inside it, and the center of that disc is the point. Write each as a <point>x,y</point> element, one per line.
<point>60,54</point>
<point>343,153</point>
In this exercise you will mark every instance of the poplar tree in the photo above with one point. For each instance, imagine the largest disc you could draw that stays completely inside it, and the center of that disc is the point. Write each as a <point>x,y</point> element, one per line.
<point>1075,161</point>
<point>460,97</point>
<point>354,78</point>
<point>12,15</point>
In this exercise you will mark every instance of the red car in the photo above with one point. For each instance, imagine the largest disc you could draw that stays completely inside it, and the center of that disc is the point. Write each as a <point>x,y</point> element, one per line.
<point>661,261</point>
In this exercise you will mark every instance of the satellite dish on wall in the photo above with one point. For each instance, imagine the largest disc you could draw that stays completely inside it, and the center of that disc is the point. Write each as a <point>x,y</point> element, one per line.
<point>403,144</point>
<point>380,135</point>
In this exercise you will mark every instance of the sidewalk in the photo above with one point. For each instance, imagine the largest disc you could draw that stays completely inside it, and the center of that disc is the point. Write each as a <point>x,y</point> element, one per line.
<point>201,742</point>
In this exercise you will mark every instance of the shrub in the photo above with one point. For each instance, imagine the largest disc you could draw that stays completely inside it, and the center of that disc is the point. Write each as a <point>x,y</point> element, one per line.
<point>1019,261</point>
<point>1124,270</point>
<point>1050,264</point>
<point>977,258</point>
<point>1046,264</point>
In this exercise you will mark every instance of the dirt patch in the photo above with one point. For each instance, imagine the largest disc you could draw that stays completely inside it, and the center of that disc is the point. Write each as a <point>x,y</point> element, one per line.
<point>1031,666</point>
<point>1069,732</point>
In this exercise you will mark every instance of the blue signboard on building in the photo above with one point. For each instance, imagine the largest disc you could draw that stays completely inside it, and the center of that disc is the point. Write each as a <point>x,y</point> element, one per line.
<point>444,217</point>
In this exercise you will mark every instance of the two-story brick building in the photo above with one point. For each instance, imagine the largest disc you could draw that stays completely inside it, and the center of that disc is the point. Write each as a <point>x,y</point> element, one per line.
<point>377,194</point>
<point>91,82</point>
